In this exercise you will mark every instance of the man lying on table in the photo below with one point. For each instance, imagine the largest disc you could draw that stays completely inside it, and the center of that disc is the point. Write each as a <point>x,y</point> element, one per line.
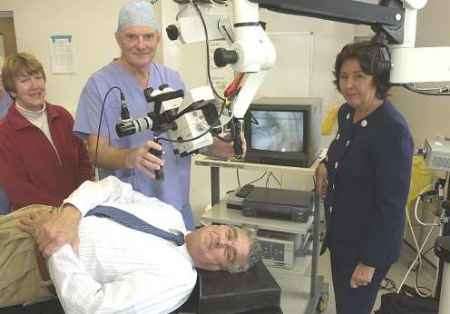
<point>112,266</point>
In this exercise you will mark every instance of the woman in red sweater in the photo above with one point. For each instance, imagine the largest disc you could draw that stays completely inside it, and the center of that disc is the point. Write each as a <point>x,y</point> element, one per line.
<point>41,160</point>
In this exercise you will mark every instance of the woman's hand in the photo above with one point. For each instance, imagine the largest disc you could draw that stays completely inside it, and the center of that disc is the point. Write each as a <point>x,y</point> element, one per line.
<point>321,179</point>
<point>362,276</point>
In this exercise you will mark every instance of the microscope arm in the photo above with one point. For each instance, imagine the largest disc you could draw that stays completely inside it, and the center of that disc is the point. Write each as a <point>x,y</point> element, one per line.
<point>253,54</point>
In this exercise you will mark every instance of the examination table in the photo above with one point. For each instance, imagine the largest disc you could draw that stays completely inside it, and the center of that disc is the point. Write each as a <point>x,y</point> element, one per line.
<point>216,292</point>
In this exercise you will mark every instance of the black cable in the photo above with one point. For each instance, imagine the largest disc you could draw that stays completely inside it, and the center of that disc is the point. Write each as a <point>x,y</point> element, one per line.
<point>191,139</point>
<point>208,65</point>
<point>228,34</point>
<point>276,179</point>
<point>267,180</point>
<point>101,118</point>
<point>422,289</point>
<point>208,53</point>
<point>238,178</point>
<point>258,179</point>
<point>442,92</point>
<point>184,141</point>
<point>271,175</point>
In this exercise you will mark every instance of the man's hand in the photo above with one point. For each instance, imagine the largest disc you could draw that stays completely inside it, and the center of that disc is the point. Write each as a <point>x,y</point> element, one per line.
<point>140,158</point>
<point>53,230</point>
<point>362,275</point>
<point>321,179</point>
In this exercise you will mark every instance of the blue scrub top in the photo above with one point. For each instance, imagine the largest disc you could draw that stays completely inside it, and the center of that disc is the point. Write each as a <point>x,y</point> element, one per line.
<point>5,103</point>
<point>175,187</point>
<point>369,170</point>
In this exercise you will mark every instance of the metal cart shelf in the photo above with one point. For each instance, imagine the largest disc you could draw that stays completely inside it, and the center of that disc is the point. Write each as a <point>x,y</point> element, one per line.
<point>300,293</point>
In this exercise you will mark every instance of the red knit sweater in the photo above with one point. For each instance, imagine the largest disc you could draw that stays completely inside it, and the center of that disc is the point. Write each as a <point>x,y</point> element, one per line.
<point>30,170</point>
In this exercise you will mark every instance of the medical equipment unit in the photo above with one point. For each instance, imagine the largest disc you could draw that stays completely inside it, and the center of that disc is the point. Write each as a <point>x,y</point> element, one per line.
<point>437,153</point>
<point>188,127</point>
<point>437,157</point>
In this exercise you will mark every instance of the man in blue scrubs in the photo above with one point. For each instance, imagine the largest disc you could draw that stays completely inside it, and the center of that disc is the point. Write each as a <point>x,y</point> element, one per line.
<point>138,36</point>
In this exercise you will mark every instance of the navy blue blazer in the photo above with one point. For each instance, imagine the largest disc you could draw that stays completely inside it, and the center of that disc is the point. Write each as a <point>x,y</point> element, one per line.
<point>369,170</point>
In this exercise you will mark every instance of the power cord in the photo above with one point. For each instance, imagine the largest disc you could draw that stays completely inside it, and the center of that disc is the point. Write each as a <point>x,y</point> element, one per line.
<point>420,248</point>
<point>268,174</point>
<point>101,119</point>
<point>422,290</point>
<point>251,182</point>
<point>434,91</point>
<point>208,53</point>
<point>271,175</point>
<point>238,178</point>
<point>258,179</point>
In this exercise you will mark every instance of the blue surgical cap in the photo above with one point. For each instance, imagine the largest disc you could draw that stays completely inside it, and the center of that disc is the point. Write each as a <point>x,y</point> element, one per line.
<point>137,13</point>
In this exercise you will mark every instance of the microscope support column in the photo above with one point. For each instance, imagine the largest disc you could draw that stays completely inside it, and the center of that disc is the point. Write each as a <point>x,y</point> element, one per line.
<point>444,301</point>
<point>442,250</point>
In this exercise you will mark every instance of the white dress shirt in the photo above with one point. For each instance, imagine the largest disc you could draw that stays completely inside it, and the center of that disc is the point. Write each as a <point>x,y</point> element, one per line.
<point>118,269</point>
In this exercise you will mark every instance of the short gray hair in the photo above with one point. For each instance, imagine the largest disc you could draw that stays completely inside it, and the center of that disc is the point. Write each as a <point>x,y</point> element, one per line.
<point>254,255</point>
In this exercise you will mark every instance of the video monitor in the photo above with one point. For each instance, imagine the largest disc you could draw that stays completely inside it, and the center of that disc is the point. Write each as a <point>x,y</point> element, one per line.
<point>283,131</point>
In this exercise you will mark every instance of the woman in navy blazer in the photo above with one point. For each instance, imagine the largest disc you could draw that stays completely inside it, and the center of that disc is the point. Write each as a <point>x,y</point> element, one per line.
<point>365,178</point>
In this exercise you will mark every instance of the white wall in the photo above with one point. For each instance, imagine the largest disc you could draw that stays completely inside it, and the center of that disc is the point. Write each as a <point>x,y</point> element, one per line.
<point>92,25</point>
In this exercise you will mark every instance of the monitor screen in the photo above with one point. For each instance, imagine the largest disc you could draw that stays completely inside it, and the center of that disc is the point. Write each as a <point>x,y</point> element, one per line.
<point>278,131</point>
<point>283,131</point>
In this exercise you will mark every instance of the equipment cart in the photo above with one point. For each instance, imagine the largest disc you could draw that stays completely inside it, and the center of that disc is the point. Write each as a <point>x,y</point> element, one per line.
<point>301,292</point>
